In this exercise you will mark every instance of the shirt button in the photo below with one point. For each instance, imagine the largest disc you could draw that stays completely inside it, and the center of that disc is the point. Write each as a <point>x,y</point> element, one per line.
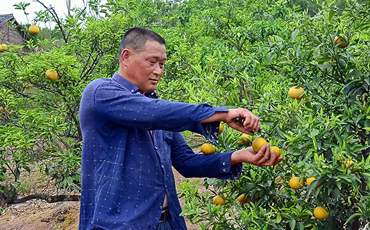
<point>224,170</point>
<point>224,163</point>
<point>162,166</point>
<point>160,207</point>
<point>156,147</point>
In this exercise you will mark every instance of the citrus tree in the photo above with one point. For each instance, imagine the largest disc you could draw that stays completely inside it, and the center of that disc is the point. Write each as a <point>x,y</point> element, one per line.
<point>322,128</point>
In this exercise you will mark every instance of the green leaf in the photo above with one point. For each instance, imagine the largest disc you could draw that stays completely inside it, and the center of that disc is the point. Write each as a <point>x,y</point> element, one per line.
<point>278,218</point>
<point>292,224</point>
<point>300,226</point>
<point>339,137</point>
<point>331,14</point>
<point>294,34</point>
<point>352,216</point>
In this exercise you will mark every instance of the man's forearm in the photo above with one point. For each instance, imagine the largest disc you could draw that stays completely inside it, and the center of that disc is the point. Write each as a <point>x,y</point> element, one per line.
<point>218,116</point>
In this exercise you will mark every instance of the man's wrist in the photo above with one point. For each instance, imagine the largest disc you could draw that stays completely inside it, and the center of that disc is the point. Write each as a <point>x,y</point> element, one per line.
<point>236,157</point>
<point>217,116</point>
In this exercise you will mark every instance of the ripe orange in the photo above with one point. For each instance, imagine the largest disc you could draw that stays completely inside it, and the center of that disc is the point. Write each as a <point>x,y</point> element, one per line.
<point>348,163</point>
<point>296,93</point>
<point>245,138</point>
<point>294,183</point>
<point>256,197</point>
<point>258,143</point>
<point>3,47</point>
<point>218,200</point>
<point>309,180</point>
<point>220,128</point>
<point>338,40</point>
<point>208,148</point>
<point>320,213</point>
<point>276,150</point>
<point>240,142</point>
<point>243,198</point>
<point>34,29</point>
<point>52,74</point>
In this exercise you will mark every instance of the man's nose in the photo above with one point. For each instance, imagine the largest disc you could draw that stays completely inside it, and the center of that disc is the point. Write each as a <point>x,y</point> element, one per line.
<point>158,70</point>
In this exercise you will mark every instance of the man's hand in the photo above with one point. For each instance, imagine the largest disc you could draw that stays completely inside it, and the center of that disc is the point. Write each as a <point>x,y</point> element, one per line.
<point>251,121</point>
<point>263,158</point>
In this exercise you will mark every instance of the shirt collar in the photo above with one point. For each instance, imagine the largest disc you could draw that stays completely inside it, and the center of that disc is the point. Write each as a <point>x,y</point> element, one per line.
<point>133,88</point>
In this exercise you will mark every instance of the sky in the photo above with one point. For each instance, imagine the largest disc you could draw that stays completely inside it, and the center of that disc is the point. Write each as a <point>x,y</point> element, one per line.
<point>6,7</point>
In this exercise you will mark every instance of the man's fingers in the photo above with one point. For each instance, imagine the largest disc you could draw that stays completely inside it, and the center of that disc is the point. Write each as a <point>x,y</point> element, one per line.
<point>265,152</point>
<point>240,128</point>
<point>277,161</point>
<point>273,162</point>
<point>256,124</point>
<point>247,120</point>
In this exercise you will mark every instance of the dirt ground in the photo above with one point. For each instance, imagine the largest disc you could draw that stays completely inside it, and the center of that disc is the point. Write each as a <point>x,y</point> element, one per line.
<point>38,214</point>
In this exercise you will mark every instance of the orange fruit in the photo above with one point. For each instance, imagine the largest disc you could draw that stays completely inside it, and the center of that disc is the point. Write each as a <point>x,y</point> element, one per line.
<point>309,180</point>
<point>220,128</point>
<point>34,29</point>
<point>256,197</point>
<point>3,47</point>
<point>258,143</point>
<point>276,150</point>
<point>52,74</point>
<point>218,200</point>
<point>208,148</point>
<point>296,93</point>
<point>320,213</point>
<point>338,40</point>
<point>245,138</point>
<point>243,198</point>
<point>294,184</point>
<point>348,163</point>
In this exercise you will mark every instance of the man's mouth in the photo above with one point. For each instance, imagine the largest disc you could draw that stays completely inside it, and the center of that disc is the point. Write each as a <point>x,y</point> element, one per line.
<point>154,81</point>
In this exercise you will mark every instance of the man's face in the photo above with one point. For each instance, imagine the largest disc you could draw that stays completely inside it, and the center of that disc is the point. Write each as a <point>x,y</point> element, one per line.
<point>145,68</point>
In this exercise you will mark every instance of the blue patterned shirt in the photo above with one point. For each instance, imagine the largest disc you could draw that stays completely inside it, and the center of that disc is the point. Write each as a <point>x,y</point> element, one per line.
<point>130,143</point>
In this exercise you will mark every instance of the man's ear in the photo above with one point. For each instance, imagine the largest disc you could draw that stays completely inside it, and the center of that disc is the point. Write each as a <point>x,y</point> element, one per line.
<point>125,56</point>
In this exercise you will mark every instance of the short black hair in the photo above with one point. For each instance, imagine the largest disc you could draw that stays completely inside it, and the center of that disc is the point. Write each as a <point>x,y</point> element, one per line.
<point>136,37</point>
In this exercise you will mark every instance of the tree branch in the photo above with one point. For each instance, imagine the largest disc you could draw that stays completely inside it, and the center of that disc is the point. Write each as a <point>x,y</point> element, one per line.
<point>49,199</point>
<point>56,18</point>
<point>27,96</point>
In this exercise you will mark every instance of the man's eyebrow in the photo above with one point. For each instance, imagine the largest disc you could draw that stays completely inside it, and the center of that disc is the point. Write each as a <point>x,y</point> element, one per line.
<point>158,57</point>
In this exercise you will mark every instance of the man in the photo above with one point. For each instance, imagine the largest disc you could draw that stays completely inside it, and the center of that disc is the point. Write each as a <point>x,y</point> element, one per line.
<point>131,140</point>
